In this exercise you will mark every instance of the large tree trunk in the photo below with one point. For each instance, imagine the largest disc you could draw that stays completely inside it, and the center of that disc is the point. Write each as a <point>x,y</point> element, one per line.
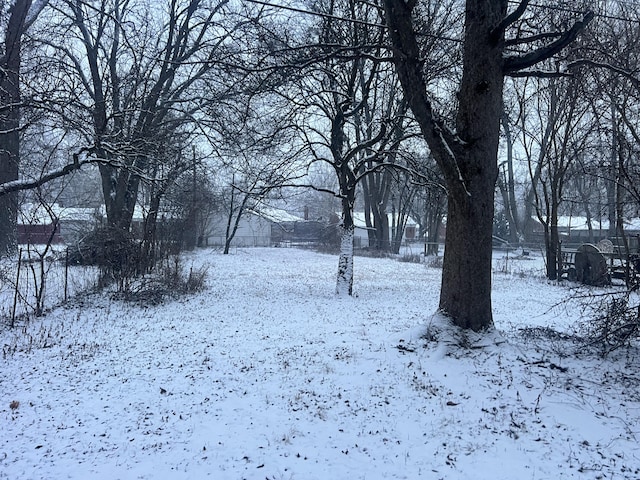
<point>376,187</point>
<point>9,160</point>
<point>467,157</point>
<point>10,122</point>
<point>344,283</point>
<point>120,191</point>
<point>465,295</point>
<point>466,280</point>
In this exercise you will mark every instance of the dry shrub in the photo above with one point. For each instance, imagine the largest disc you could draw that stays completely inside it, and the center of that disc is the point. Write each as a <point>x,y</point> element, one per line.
<point>614,321</point>
<point>411,258</point>
<point>169,282</point>
<point>434,261</point>
<point>114,251</point>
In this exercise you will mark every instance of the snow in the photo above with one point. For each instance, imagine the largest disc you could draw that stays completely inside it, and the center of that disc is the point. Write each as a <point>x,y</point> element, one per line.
<point>38,214</point>
<point>269,375</point>
<point>360,222</point>
<point>275,215</point>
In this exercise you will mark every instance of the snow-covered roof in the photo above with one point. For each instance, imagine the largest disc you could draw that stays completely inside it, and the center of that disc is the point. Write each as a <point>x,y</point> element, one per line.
<point>579,223</point>
<point>139,212</point>
<point>275,215</point>
<point>632,224</point>
<point>360,222</point>
<point>38,214</point>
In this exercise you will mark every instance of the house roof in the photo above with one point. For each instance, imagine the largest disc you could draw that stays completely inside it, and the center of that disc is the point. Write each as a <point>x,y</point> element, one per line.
<point>360,222</point>
<point>38,214</point>
<point>579,223</point>
<point>275,215</point>
<point>139,212</point>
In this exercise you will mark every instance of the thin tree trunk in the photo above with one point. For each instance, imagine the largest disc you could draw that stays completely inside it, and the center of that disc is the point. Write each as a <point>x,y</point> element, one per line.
<point>149,239</point>
<point>552,251</point>
<point>620,190</point>
<point>613,174</point>
<point>507,185</point>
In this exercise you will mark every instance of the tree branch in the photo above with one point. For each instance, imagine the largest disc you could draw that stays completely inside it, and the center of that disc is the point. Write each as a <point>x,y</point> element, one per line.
<point>406,53</point>
<point>620,71</point>
<point>538,74</point>
<point>497,32</point>
<point>515,63</point>
<point>533,38</point>
<point>19,185</point>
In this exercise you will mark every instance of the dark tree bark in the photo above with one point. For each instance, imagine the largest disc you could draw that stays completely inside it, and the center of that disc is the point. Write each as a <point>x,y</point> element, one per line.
<point>141,89</point>
<point>506,183</point>
<point>10,60</point>
<point>469,159</point>
<point>376,189</point>
<point>466,282</point>
<point>467,155</point>
<point>235,210</point>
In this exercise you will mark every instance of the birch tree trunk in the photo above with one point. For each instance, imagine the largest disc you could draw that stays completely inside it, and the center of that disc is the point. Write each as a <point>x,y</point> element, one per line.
<point>344,284</point>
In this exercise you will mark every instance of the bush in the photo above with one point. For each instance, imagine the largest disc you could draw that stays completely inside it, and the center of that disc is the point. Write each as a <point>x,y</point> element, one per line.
<point>411,258</point>
<point>435,262</point>
<point>170,281</point>
<point>615,322</point>
<point>174,277</point>
<point>114,251</point>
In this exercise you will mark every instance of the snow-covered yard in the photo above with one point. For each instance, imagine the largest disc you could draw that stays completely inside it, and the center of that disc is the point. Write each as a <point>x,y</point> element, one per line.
<point>267,375</point>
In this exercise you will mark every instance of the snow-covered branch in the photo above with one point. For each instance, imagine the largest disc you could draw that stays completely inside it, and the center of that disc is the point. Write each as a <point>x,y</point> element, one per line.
<point>29,184</point>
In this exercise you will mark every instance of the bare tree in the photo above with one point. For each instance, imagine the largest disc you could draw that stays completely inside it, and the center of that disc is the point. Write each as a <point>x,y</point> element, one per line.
<point>254,181</point>
<point>466,148</point>
<point>430,205</point>
<point>352,116</point>
<point>567,143</point>
<point>507,183</point>
<point>139,84</point>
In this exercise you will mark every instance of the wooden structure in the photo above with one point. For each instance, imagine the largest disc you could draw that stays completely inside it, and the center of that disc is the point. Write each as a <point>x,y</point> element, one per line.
<point>598,265</point>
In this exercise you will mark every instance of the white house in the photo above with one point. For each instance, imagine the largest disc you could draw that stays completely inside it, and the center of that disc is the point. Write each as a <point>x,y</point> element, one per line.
<point>259,227</point>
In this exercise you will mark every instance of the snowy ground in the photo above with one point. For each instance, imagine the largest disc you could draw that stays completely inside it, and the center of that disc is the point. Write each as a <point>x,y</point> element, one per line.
<point>267,375</point>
